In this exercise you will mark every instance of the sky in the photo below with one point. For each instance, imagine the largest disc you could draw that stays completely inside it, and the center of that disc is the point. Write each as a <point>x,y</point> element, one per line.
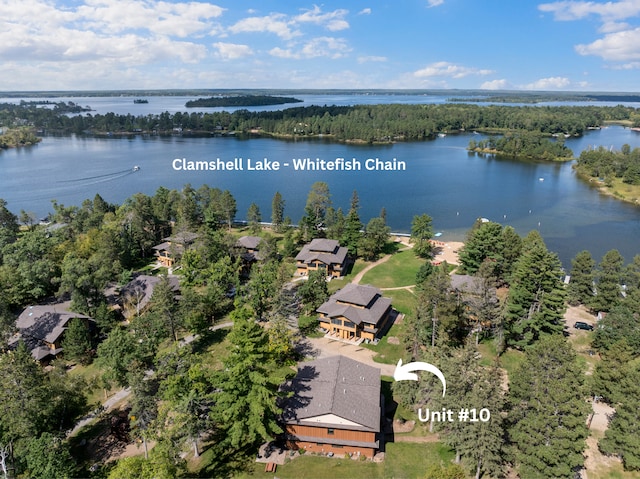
<point>402,44</point>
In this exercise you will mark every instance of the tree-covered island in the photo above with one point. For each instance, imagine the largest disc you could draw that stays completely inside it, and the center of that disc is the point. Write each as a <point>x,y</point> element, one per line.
<point>524,144</point>
<point>241,100</point>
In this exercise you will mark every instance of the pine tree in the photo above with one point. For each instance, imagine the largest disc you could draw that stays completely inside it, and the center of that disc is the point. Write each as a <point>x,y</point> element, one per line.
<point>353,226</point>
<point>421,233</point>
<point>254,218</point>
<point>77,343</point>
<point>609,277</point>
<point>535,304</point>
<point>483,243</point>
<point>580,289</point>
<point>548,411</point>
<point>277,211</point>
<point>609,373</point>
<point>246,407</point>
<point>470,386</point>
<point>622,438</point>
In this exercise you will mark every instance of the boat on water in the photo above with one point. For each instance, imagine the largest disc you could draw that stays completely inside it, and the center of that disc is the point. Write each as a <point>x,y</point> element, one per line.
<point>140,100</point>
<point>136,168</point>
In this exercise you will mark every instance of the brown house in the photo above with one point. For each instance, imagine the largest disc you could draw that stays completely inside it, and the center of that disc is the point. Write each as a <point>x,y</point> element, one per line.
<point>323,254</point>
<point>357,311</point>
<point>136,294</point>
<point>336,408</point>
<point>171,248</point>
<point>42,329</point>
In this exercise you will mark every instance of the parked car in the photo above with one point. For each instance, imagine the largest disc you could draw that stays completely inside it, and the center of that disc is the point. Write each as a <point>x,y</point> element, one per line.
<point>583,325</point>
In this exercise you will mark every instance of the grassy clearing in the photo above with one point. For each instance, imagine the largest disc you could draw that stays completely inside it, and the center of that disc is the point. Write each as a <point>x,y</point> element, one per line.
<point>402,460</point>
<point>509,360</point>
<point>92,376</point>
<point>388,353</point>
<point>399,270</point>
<point>336,284</point>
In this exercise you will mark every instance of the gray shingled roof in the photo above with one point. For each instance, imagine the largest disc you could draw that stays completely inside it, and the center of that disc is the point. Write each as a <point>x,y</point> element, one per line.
<point>45,322</point>
<point>345,301</point>
<point>141,289</point>
<point>249,242</point>
<point>337,385</point>
<point>326,250</point>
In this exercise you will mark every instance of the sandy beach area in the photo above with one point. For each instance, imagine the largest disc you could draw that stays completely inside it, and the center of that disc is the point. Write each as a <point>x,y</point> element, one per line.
<point>447,251</point>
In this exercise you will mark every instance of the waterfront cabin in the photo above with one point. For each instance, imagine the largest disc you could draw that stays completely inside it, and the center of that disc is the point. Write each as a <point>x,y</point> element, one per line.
<point>357,312</point>
<point>322,254</point>
<point>42,329</point>
<point>335,408</point>
<point>171,248</point>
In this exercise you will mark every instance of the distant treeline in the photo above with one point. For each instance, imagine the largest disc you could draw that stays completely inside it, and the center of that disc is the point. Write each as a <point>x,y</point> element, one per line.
<point>241,100</point>
<point>547,97</point>
<point>364,123</point>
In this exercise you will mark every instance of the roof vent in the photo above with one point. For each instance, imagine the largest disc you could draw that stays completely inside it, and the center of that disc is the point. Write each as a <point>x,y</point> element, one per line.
<point>344,391</point>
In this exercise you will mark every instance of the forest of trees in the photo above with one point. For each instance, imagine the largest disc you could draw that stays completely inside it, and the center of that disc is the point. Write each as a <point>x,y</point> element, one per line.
<point>190,397</point>
<point>607,163</point>
<point>523,144</point>
<point>241,100</point>
<point>367,123</point>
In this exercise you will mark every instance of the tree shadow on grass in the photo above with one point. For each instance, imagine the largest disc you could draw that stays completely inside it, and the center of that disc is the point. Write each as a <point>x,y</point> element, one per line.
<point>208,339</point>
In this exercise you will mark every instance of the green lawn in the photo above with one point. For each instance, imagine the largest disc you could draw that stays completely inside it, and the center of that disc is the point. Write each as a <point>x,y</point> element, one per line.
<point>336,284</point>
<point>509,360</point>
<point>399,270</point>
<point>403,460</point>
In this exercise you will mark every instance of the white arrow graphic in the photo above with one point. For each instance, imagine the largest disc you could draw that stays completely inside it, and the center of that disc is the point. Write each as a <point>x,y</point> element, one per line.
<point>403,373</point>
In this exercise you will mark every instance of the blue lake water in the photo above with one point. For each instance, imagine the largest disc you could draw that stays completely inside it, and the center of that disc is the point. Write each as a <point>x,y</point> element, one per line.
<point>441,179</point>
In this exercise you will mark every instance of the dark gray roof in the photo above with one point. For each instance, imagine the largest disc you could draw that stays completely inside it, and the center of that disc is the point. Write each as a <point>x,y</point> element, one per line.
<point>45,322</point>
<point>327,251</point>
<point>183,237</point>
<point>337,385</point>
<point>42,324</point>
<point>357,303</point>
<point>140,289</point>
<point>249,242</point>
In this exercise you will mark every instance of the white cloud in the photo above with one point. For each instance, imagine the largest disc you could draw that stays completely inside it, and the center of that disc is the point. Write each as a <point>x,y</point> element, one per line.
<point>232,51</point>
<point>365,11</point>
<point>551,83</point>
<point>275,23</point>
<point>608,11</point>
<point>371,58</point>
<point>619,46</point>
<point>495,85</point>
<point>434,3</point>
<point>446,69</point>
<point>124,32</point>
<point>332,21</point>
<point>317,47</point>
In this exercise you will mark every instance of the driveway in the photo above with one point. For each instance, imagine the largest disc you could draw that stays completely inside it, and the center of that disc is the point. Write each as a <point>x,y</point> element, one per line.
<point>323,348</point>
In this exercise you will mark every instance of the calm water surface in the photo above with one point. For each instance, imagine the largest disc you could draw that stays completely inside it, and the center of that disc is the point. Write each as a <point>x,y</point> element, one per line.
<point>441,179</point>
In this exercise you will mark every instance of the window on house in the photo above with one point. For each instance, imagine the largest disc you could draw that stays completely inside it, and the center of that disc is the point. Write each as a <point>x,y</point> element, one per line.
<point>349,324</point>
<point>330,431</point>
